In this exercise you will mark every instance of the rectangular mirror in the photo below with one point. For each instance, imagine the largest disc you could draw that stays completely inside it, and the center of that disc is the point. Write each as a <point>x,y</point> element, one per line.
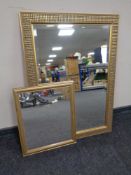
<point>46,117</point>
<point>78,47</point>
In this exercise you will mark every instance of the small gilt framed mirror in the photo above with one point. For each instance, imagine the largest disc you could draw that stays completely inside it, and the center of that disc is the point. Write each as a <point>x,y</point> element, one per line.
<point>46,117</point>
<point>78,47</point>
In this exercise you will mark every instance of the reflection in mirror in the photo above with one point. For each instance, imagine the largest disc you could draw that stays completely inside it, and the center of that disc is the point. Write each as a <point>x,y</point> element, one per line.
<point>47,116</point>
<point>58,54</point>
<point>78,52</point>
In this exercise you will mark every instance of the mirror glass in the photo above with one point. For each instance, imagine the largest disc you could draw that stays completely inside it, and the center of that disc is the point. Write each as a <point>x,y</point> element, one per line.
<point>46,116</point>
<point>78,52</point>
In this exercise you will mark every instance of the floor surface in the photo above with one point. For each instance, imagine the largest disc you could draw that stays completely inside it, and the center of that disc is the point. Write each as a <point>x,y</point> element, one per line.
<point>106,154</point>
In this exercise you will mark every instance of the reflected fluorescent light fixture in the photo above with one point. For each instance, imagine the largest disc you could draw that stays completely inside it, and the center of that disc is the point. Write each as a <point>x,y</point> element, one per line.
<point>57,48</point>
<point>52,56</point>
<point>48,64</point>
<point>104,53</point>
<point>66,32</point>
<point>34,32</point>
<point>50,25</point>
<point>104,46</point>
<point>65,26</point>
<point>91,53</point>
<point>83,27</point>
<point>50,60</point>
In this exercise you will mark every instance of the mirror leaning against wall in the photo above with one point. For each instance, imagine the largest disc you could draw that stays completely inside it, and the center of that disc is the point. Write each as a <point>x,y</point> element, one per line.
<point>78,47</point>
<point>46,117</point>
<point>78,52</point>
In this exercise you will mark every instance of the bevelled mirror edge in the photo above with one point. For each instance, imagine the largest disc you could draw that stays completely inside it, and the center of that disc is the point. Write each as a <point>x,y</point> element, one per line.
<point>68,86</point>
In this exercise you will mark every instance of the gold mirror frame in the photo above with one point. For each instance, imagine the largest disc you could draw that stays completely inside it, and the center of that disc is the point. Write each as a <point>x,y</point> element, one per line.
<point>22,133</point>
<point>27,19</point>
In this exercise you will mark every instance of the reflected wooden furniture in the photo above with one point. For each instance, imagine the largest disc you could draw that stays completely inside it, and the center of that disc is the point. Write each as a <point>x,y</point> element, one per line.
<point>76,80</point>
<point>65,92</point>
<point>72,71</point>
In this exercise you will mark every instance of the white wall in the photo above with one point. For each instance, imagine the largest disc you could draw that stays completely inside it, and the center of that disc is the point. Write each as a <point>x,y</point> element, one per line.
<point>11,58</point>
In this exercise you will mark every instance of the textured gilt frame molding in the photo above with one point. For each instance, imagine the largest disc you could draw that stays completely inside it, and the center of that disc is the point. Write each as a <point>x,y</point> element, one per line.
<point>29,151</point>
<point>29,18</point>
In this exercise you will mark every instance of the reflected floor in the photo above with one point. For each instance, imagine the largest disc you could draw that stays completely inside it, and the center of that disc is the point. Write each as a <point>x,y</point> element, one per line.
<point>47,124</point>
<point>50,123</point>
<point>90,108</point>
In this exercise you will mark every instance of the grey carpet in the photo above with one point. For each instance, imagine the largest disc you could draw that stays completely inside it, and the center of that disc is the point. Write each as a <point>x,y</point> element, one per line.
<point>107,154</point>
<point>90,108</point>
<point>47,124</point>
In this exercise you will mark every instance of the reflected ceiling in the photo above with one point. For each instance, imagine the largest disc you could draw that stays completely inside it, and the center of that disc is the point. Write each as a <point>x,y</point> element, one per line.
<point>85,39</point>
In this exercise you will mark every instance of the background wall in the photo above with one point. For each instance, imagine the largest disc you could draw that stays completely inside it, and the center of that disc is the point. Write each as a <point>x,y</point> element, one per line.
<point>11,58</point>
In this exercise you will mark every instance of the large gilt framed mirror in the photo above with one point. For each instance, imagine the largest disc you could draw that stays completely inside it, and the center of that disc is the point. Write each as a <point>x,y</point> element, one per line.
<point>78,47</point>
<point>46,116</point>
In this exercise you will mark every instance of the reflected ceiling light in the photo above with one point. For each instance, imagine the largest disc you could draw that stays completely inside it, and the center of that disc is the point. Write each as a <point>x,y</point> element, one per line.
<point>64,26</point>
<point>66,32</point>
<point>34,32</point>
<point>105,45</point>
<point>91,53</point>
<point>83,27</point>
<point>52,56</point>
<point>105,26</point>
<point>47,64</point>
<point>50,60</point>
<point>57,48</point>
<point>104,53</point>
<point>50,25</point>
